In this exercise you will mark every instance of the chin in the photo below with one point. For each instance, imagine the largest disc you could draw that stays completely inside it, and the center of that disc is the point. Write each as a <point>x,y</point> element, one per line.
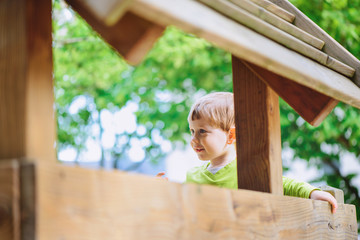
<point>202,158</point>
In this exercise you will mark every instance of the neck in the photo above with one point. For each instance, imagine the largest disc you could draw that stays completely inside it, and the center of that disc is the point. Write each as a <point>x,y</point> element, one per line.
<point>224,160</point>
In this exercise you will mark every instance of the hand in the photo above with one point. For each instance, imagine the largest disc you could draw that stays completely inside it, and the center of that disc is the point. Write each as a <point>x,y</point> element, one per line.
<point>324,196</point>
<point>161,174</point>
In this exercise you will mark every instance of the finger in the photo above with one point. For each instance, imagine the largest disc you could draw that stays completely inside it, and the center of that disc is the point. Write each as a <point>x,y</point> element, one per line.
<point>334,207</point>
<point>160,174</point>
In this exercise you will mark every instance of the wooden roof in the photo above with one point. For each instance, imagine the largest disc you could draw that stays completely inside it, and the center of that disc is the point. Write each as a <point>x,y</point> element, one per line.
<point>301,62</point>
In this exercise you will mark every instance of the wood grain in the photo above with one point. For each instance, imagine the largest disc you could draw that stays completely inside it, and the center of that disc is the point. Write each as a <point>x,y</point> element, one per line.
<point>40,128</point>
<point>246,44</point>
<point>238,14</point>
<point>258,135</point>
<point>27,121</point>
<point>131,35</point>
<point>77,203</point>
<point>299,97</point>
<point>278,11</point>
<point>332,47</point>
<point>337,193</point>
<point>278,22</point>
<point>12,78</point>
<point>9,200</point>
<point>27,200</point>
<point>106,11</point>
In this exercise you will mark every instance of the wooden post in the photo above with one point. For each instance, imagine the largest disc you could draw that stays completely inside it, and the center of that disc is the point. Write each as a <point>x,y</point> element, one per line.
<point>257,132</point>
<point>27,124</point>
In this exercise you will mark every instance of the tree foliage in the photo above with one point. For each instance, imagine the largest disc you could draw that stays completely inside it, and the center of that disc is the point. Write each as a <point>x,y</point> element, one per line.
<point>179,68</point>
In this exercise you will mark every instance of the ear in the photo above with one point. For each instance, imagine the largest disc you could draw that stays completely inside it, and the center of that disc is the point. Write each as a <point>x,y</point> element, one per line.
<point>232,136</point>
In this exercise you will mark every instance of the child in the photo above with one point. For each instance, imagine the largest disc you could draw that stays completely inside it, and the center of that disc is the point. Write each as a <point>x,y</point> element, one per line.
<point>212,126</point>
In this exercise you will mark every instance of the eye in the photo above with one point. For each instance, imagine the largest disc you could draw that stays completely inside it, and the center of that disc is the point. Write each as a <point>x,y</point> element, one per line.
<point>192,131</point>
<point>202,131</point>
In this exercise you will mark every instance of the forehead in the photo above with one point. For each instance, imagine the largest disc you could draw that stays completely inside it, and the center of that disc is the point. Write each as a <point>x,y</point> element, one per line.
<point>201,122</point>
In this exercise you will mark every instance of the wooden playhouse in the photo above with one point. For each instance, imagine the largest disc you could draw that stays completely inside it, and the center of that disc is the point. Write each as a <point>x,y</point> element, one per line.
<point>277,51</point>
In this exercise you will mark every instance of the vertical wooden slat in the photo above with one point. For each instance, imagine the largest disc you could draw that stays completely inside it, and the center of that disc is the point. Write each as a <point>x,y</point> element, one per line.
<point>12,78</point>
<point>27,201</point>
<point>17,200</point>
<point>257,132</point>
<point>9,200</point>
<point>27,122</point>
<point>40,121</point>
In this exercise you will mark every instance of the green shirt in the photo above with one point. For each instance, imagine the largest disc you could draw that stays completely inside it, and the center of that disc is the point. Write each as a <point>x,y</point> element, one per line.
<point>227,177</point>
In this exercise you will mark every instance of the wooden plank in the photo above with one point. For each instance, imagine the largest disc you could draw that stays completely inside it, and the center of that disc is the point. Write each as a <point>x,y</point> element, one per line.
<point>278,11</point>
<point>238,14</point>
<point>90,204</point>
<point>332,47</point>
<point>279,23</point>
<point>27,200</point>
<point>12,78</point>
<point>337,193</point>
<point>132,36</point>
<point>106,11</point>
<point>299,97</point>
<point>9,200</point>
<point>40,132</point>
<point>27,121</point>
<point>258,138</point>
<point>246,44</point>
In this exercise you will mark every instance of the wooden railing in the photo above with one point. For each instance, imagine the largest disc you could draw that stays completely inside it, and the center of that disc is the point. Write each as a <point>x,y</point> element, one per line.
<point>76,203</point>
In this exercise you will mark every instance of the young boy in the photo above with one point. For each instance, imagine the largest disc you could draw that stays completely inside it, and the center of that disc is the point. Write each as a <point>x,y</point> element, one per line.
<point>212,126</point>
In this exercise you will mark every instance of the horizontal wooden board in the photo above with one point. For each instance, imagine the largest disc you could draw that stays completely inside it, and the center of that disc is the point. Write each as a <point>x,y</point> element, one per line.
<point>75,203</point>
<point>332,47</point>
<point>244,43</point>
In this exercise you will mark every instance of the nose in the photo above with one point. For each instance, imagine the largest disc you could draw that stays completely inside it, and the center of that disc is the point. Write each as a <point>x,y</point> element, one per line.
<point>194,138</point>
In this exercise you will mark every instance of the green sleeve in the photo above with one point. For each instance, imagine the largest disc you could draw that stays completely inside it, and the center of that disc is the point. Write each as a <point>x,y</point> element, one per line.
<point>297,189</point>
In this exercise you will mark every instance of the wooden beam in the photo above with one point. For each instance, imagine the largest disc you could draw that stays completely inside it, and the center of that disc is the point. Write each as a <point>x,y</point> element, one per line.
<point>332,47</point>
<point>247,44</point>
<point>27,123</point>
<point>92,204</point>
<point>131,35</point>
<point>245,18</point>
<point>258,135</point>
<point>299,97</point>
<point>106,11</point>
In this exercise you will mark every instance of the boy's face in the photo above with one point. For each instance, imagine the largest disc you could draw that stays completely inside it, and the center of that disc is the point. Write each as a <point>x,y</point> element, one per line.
<point>209,143</point>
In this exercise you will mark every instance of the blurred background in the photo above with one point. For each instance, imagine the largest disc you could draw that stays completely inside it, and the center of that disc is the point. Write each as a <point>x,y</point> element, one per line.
<point>134,118</point>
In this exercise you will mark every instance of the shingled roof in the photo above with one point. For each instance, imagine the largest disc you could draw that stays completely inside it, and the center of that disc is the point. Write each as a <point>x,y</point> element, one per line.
<point>300,61</point>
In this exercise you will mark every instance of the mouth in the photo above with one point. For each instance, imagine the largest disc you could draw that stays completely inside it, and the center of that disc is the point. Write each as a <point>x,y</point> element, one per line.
<point>199,150</point>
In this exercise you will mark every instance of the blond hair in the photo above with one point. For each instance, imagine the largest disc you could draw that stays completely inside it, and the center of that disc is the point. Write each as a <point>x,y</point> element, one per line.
<point>216,108</point>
